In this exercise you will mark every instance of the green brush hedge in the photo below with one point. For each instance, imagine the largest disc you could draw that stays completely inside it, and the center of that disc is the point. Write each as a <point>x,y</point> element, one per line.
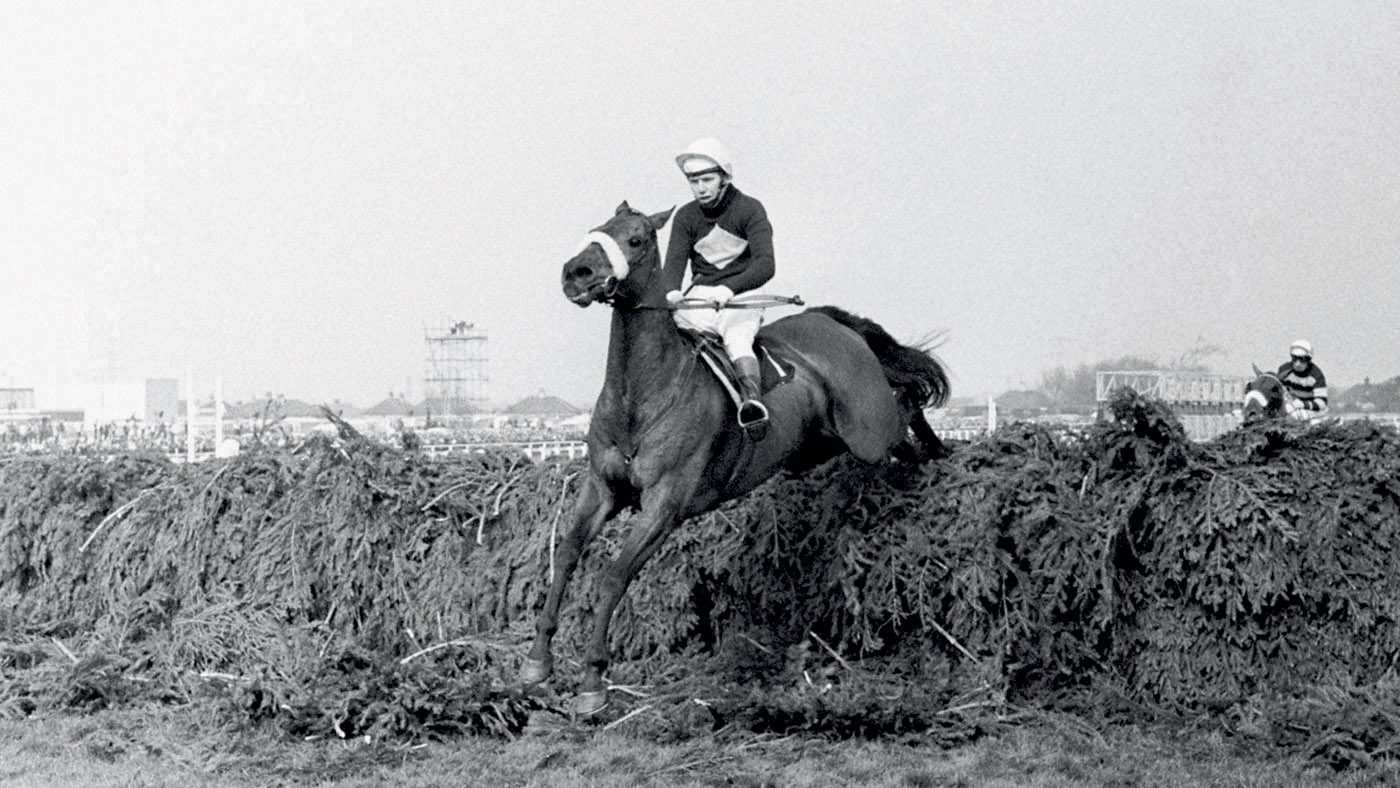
<point>1187,576</point>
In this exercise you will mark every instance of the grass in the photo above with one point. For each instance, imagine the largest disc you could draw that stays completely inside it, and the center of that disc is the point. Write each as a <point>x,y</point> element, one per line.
<point>181,746</point>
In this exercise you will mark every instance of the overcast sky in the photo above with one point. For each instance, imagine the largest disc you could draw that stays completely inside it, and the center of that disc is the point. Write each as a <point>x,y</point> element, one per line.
<point>285,193</point>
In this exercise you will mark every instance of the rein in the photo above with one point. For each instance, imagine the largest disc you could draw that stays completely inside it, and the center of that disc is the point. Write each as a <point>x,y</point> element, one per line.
<point>682,385</point>
<point>621,266</point>
<point>617,258</point>
<point>1284,394</point>
<point>756,301</point>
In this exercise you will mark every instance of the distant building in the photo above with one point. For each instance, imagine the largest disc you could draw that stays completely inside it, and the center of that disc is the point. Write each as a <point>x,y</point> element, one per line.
<point>390,406</point>
<point>17,401</point>
<point>1024,403</point>
<point>443,407</point>
<point>542,404</point>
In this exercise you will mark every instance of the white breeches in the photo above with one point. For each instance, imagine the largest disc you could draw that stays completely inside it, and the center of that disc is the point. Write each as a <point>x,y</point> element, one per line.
<point>737,327</point>
<point>1295,410</point>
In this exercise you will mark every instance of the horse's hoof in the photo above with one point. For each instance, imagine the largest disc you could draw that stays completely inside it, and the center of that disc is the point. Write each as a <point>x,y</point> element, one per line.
<point>534,671</point>
<point>589,703</point>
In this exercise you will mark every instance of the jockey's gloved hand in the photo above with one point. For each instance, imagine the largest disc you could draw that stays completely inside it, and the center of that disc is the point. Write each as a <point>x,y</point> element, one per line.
<point>722,294</point>
<point>673,296</point>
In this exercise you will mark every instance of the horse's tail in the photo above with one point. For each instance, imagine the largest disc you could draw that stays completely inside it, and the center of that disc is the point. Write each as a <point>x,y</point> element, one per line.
<point>910,370</point>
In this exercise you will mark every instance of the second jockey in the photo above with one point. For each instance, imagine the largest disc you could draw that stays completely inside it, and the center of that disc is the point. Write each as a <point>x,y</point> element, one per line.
<point>1305,381</point>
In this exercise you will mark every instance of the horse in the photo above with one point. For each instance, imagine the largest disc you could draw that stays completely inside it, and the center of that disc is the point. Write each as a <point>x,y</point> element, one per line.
<point>664,441</point>
<point>1265,397</point>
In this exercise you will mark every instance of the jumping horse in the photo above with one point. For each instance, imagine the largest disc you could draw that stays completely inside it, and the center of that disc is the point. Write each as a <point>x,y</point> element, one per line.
<point>663,437</point>
<point>1266,397</point>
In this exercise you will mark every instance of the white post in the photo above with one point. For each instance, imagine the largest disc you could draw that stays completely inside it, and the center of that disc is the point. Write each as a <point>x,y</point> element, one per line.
<point>991,415</point>
<point>189,412</point>
<point>218,414</point>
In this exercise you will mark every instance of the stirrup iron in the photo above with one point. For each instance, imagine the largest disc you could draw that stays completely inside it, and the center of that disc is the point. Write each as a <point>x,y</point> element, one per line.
<point>753,419</point>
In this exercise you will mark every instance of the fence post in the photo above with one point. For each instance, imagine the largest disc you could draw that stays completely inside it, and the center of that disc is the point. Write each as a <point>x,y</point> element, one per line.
<point>189,412</point>
<point>218,414</point>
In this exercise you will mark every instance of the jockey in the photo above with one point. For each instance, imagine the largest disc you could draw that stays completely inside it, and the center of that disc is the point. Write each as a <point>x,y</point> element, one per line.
<point>1305,381</point>
<point>725,239</point>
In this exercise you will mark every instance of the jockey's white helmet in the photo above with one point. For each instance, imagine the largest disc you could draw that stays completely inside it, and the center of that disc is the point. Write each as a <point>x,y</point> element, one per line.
<point>704,154</point>
<point>1301,348</point>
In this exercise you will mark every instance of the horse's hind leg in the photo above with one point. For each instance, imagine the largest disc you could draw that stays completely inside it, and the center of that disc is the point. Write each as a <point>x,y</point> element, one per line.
<point>871,432</point>
<point>597,503</point>
<point>660,512</point>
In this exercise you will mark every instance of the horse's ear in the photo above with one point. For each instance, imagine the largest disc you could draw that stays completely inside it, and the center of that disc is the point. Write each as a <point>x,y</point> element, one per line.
<point>1257,370</point>
<point>623,208</point>
<point>658,220</point>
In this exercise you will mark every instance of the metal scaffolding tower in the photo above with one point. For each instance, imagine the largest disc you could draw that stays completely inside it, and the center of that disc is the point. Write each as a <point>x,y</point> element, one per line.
<point>454,373</point>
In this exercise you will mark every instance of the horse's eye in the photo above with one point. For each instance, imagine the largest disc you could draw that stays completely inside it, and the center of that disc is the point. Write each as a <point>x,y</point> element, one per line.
<point>634,241</point>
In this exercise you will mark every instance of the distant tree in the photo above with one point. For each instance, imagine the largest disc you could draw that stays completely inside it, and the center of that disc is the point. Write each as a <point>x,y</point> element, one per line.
<point>1056,384</point>
<point>1075,391</point>
<point>1196,358</point>
<point>1370,397</point>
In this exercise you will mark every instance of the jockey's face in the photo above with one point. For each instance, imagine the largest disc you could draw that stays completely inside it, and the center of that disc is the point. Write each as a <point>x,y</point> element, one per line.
<point>707,186</point>
<point>1300,363</point>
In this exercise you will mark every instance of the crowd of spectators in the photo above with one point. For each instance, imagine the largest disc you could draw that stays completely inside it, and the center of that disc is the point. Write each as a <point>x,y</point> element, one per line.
<point>507,433</point>
<point>44,436</point>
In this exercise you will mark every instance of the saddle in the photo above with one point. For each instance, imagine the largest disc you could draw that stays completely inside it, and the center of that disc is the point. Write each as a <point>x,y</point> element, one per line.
<point>774,368</point>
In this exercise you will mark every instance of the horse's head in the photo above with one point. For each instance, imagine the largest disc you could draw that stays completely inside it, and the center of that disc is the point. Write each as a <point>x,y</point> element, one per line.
<point>1263,397</point>
<point>618,262</point>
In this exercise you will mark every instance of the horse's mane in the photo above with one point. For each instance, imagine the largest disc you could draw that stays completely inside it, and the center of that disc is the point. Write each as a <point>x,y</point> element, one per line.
<point>908,368</point>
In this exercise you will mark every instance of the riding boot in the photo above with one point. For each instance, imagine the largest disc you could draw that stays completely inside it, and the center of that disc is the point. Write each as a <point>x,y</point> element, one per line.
<point>753,414</point>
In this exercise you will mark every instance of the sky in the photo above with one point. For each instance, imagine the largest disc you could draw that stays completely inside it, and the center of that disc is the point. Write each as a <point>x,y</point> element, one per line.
<point>283,196</point>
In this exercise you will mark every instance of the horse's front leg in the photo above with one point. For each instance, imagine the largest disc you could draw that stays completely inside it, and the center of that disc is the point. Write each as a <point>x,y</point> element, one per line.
<point>933,448</point>
<point>660,512</point>
<point>596,504</point>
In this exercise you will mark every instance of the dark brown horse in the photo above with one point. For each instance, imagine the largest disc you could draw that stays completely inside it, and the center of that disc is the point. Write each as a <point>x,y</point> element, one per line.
<point>1264,397</point>
<point>663,438</point>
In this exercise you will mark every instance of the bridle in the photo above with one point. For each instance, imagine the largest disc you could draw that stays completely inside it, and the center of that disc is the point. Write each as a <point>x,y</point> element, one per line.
<point>606,291</point>
<point>622,266</point>
<point>1283,391</point>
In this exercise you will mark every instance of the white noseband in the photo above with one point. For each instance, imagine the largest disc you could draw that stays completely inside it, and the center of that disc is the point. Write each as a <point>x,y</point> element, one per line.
<point>610,247</point>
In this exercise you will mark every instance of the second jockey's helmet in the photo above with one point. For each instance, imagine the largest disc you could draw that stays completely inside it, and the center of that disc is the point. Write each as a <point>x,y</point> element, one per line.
<point>706,153</point>
<point>1301,348</point>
